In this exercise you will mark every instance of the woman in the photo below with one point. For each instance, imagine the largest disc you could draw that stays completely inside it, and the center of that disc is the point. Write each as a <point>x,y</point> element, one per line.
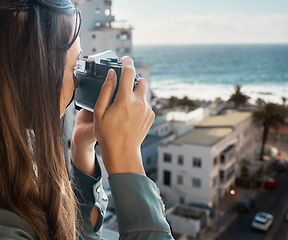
<point>39,46</point>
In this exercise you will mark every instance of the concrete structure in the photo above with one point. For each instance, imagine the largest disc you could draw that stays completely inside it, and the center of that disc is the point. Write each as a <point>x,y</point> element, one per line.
<point>98,32</point>
<point>202,164</point>
<point>186,221</point>
<point>177,121</point>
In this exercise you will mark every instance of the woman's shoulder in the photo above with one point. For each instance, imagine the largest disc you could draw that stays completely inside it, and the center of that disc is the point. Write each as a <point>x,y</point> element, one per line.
<point>14,227</point>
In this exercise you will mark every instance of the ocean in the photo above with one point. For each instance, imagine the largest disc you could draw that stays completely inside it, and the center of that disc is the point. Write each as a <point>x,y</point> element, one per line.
<point>205,72</point>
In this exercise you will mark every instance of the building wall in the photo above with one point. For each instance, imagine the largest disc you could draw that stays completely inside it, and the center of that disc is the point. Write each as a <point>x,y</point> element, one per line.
<point>184,226</point>
<point>187,171</point>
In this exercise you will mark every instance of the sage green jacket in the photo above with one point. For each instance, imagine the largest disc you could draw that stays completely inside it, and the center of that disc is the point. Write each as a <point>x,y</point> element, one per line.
<point>139,209</point>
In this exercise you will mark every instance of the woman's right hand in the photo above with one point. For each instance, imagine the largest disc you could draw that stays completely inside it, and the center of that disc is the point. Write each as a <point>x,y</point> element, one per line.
<point>121,127</point>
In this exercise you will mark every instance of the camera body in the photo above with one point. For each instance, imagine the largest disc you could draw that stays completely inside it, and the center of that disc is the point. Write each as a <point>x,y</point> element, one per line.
<point>91,73</point>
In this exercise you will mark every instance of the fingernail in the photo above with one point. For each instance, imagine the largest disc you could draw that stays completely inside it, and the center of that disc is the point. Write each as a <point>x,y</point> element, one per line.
<point>110,73</point>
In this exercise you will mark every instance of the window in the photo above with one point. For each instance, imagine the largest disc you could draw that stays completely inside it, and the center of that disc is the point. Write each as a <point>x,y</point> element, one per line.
<point>167,157</point>
<point>97,24</point>
<point>197,162</point>
<point>107,12</point>
<point>98,11</point>
<point>196,182</point>
<point>180,180</point>
<point>93,36</point>
<point>167,178</point>
<point>124,36</point>
<point>180,160</point>
<point>215,161</point>
<point>222,176</point>
<point>93,49</point>
<point>222,160</point>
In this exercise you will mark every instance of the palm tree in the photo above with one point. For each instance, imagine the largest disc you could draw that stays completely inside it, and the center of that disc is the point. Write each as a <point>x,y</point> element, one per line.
<point>269,115</point>
<point>238,98</point>
<point>284,100</point>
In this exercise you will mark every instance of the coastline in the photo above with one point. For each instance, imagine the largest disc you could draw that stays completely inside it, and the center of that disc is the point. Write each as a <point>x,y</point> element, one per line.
<point>205,92</point>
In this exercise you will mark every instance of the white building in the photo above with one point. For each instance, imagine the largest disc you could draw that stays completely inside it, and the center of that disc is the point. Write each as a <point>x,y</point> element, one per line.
<point>100,32</point>
<point>202,164</point>
<point>177,121</point>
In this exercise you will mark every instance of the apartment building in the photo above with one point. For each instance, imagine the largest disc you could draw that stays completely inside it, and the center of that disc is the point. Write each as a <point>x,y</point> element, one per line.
<point>202,164</point>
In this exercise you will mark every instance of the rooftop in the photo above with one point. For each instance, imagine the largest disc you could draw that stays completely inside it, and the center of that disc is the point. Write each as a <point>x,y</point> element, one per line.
<point>151,139</point>
<point>187,212</point>
<point>228,120</point>
<point>203,136</point>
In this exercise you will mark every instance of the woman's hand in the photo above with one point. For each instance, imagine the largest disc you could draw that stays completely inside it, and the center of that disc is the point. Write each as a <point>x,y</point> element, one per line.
<point>83,142</point>
<point>121,127</point>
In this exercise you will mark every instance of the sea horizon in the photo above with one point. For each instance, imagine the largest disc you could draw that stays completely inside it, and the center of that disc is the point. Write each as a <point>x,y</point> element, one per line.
<point>209,71</point>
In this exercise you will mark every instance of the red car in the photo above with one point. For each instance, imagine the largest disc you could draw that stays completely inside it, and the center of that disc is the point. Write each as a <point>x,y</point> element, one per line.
<point>270,183</point>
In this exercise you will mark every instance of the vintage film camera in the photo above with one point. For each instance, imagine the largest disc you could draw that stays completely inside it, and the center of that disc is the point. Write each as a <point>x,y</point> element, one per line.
<point>91,73</point>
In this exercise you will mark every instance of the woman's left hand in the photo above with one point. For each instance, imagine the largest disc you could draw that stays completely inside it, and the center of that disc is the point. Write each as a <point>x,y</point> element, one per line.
<point>83,142</point>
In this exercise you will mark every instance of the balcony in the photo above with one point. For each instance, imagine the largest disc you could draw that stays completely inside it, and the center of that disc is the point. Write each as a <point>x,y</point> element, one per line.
<point>227,157</point>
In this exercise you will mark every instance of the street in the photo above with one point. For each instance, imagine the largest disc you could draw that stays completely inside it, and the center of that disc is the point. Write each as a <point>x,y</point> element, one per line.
<point>271,201</point>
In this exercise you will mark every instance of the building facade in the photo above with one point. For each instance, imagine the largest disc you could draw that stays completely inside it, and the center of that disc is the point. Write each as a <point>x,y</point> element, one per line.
<point>201,165</point>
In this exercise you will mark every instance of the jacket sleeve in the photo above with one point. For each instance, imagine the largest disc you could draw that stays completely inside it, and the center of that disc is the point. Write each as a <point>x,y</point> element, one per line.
<point>139,208</point>
<point>89,192</point>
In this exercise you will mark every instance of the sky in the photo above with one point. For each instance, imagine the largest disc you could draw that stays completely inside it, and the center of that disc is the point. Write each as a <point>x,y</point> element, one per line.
<point>204,21</point>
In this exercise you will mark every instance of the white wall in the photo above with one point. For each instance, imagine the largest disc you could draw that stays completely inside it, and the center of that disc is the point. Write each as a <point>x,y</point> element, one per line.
<point>186,170</point>
<point>185,226</point>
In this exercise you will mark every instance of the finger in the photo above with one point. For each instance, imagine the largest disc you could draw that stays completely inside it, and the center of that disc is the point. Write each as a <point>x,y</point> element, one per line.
<point>142,88</point>
<point>126,83</point>
<point>106,93</point>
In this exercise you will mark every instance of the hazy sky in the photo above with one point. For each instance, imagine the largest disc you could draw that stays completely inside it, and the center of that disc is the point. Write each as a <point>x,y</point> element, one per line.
<point>205,21</point>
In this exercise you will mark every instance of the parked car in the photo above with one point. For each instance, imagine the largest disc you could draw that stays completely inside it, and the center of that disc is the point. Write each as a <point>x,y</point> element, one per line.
<point>245,204</point>
<point>262,221</point>
<point>270,183</point>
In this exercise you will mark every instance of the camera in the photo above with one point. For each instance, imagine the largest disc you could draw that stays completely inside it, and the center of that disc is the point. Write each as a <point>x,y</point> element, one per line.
<point>91,72</point>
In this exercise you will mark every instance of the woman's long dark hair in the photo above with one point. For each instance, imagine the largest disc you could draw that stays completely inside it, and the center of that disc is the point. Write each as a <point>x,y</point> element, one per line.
<point>34,38</point>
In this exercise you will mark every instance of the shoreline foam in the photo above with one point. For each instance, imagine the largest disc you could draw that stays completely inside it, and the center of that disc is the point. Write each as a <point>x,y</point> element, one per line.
<point>268,92</point>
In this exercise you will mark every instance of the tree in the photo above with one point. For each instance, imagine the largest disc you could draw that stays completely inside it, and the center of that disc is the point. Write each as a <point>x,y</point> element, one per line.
<point>172,101</point>
<point>284,100</point>
<point>185,101</point>
<point>238,98</point>
<point>269,115</point>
